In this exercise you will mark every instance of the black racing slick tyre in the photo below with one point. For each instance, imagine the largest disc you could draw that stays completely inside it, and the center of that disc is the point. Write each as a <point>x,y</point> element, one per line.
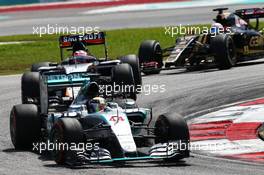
<point>65,133</point>
<point>35,67</point>
<point>123,79</point>
<point>25,126</point>
<point>149,51</point>
<point>173,127</point>
<point>30,86</point>
<point>224,51</point>
<point>133,61</point>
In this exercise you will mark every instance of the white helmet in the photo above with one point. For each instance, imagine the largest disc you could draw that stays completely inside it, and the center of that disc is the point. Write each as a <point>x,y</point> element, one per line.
<point>80,53</point>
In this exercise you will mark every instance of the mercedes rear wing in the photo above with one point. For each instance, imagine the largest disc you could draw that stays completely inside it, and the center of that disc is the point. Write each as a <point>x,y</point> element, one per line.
<point>57,79</point>
<point>56,83</point>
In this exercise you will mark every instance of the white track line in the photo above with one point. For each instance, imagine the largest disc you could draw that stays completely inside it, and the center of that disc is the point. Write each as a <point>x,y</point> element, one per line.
<point>167,5</point>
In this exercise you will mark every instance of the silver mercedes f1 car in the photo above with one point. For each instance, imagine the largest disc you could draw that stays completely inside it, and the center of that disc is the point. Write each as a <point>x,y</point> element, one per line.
<point>114,127</point>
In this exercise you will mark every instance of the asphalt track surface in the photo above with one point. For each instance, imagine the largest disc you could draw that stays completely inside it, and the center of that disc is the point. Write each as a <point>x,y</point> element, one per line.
<point>186,93</point>
<point>23,22</point>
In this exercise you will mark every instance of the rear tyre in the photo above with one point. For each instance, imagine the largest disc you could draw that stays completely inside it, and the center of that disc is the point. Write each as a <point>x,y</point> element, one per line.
<point>133,61</point>
<point>25,126</point>
<point>30,87</point>
<point>224,50</point>
<point>150,51</point>
<point>123,79</point>
<point>35,67</point>
<point>173,127</point>
<point>65,132</point>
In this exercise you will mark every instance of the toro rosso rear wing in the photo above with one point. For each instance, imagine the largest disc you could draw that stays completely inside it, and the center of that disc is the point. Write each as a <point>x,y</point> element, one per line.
<point>67,41</point>
<point>250,13</point>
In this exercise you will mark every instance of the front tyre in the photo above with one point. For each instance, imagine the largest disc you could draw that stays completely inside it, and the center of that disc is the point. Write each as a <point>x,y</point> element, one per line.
<point>150,57</point>
<point>65,132</point>
<point>224,51</point>
<point>173,127</point>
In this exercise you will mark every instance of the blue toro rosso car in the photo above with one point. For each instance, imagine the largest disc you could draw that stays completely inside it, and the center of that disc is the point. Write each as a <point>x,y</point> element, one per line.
<point>87,126</point>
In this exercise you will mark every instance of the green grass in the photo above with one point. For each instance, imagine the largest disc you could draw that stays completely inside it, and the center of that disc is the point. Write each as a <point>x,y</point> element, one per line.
<point>17,58</point>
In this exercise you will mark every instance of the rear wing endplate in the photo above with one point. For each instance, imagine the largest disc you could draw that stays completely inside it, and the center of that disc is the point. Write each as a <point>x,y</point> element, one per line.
<point>56,80</point>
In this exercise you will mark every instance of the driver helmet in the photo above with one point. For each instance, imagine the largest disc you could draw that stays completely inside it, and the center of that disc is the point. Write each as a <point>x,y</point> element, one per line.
<point>215,27</point>
<point>80,53</point>
<point>97,104</point>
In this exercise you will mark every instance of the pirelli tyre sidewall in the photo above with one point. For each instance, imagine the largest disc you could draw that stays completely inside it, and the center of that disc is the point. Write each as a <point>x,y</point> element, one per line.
<point>123,80</point>
<point>133,61</point>
<point>150,50</point>
<point>30,86</point>
<point>224,50</point>
<point>173,127</point>
<point>25,126</point>
<point>65,132</point>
